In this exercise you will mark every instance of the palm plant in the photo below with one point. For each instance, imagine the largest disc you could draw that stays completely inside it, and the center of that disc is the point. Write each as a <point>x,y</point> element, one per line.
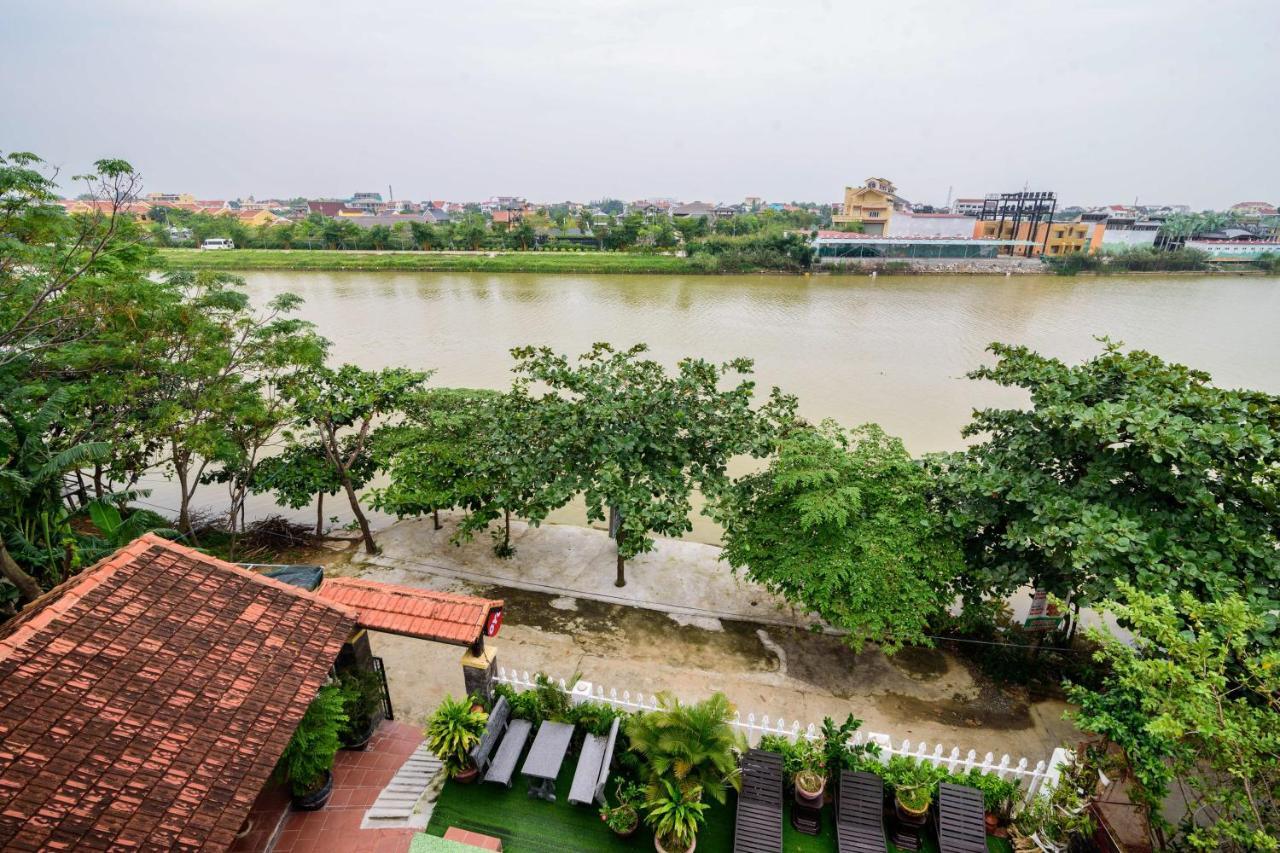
<point>675,812</point>
<point>691,745</point>
<point>452,731</point>
<point>33,519</point>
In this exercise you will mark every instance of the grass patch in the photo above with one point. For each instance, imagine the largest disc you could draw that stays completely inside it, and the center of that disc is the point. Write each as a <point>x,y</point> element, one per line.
<point>337,260</point>
<point>533,826</point>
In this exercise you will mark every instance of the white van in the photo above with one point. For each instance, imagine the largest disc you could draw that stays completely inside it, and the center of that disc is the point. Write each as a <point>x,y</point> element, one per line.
<point>217,243</point>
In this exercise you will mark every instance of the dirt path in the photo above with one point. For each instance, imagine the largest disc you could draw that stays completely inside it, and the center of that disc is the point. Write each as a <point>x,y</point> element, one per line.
<point>775,669</point>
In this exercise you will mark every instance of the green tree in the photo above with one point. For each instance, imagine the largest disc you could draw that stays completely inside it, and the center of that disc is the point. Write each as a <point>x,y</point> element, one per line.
<point>471,232</point>
<point>1192,703</point>
<point>839,523</point>
<point>341,406</point>
<point>1124,468</point>
<point>302,473</point>
<point>636,441</point>
<point>219,355</point>
<point>479,450</point>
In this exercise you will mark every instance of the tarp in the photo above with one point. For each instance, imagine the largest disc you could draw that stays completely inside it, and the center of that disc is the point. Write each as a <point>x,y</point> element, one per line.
<point>307,577</point>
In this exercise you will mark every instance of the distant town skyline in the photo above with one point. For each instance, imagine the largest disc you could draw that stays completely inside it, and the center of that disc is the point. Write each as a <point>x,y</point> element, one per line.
<point>1110,102</point>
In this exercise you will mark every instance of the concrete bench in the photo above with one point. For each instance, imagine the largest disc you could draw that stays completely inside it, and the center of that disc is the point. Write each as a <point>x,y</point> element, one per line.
<point>493,731</point>
<point>503,766</point>
<point>593,768</point>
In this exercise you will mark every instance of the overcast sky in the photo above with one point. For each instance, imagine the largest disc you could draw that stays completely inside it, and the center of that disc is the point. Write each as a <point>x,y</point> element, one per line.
<point>1169,101</point>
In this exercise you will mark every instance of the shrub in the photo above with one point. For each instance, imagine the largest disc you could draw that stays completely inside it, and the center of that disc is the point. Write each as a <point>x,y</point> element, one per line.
<point>690,744</point>
<point>452,730</point>
<point>676,812</point>
<point>361,702</point>
<point>307,758</point>
<point>595,718</point>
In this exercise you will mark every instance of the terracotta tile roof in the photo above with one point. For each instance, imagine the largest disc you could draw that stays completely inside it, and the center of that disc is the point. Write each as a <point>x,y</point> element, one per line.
<point>411,612</point>
<point>144,702</point>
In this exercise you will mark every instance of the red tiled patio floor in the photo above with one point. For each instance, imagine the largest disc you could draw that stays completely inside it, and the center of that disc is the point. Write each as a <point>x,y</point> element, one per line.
<point>358,778</point>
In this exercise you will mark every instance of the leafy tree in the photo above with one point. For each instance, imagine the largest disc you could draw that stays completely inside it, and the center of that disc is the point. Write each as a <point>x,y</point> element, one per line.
<point>1192,703</point>
<point>1125,468</point>
<point>475,449</point>
<point>691,227</point>
<point>32,517</point>
<point>220,354</point>
<point>636,441</point>
<point>839,523</point>
<point>303,472</point>
<point>522,234</point>
<point>471,232</point>
<point>341,406</point>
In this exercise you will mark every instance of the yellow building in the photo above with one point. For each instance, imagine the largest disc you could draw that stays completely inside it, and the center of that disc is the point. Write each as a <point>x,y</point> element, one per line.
<point>870,205</point>
<point>1050,238</point>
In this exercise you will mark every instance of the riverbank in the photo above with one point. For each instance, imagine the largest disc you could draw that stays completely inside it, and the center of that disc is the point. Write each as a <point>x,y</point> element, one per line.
<point>685,623</point>
<point>358,261</point>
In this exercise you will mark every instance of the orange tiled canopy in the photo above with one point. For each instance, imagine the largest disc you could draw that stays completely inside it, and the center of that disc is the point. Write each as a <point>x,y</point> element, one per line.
<point>144,702</point>
<point>411,612</point>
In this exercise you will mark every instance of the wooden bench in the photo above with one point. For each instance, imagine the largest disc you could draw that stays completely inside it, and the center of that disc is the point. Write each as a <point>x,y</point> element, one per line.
<point>592,772</point>
<point>961,828</point>
<point>757,826</point>
<point>860,813</point>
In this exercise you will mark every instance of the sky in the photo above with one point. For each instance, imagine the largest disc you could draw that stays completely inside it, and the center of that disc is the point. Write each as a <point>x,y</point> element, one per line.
<point>1163,101</point>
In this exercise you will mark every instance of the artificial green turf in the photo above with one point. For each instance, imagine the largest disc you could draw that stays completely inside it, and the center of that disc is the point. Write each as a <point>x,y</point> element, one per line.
<point>528,825</point>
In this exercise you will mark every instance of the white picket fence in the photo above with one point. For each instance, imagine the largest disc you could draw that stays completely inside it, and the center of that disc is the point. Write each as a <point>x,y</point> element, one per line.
<point>1032,780</point>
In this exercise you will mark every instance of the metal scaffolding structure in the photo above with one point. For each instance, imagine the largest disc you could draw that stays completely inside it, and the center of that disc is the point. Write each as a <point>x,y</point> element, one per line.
<point>1032,208</point>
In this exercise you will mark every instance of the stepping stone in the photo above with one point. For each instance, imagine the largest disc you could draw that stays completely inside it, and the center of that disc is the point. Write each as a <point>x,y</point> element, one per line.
<point>398,803</point>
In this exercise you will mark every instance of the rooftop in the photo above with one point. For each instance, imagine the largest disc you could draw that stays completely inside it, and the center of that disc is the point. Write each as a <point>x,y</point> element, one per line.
<point>411,612</point>
<point>145,701</point>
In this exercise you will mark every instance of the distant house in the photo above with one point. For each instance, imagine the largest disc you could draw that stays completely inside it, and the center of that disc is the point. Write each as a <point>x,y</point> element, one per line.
<point>1254,208</point>
<point>367,202</point>
<point>967,206</point>
<point>871,205</point>
<point>435,213</point>
<point>694,209</point>
<point>333,209</point>
<point>256,217</point>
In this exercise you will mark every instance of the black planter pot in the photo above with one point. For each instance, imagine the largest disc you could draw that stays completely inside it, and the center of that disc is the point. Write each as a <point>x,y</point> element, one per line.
<point>361,742</point>
<point>317,798</point>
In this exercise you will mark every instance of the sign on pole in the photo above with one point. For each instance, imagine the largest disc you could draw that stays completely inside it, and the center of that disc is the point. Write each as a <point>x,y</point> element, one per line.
<point>1044,614</point>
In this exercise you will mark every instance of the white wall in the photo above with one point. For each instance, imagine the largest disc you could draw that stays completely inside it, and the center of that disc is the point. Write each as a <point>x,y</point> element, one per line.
<point>906,225</point>
<point>1123,239</point>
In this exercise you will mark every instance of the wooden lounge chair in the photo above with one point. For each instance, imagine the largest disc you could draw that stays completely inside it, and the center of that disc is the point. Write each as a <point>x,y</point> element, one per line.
<point>758,826</point>
<point>960,820</point>
<point>593,768</point>
<point>860,813</point>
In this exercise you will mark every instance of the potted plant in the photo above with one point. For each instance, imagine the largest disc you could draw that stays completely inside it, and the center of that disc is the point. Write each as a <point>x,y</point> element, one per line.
<point>806,761</point>
<point>452,730</point>
<point>914,783</point>
<point>307,761</point>
<point>675,812</point>
<point>695,742</point>
<point>997,796</point>
<point>624,818</point>
<point>362,700</point>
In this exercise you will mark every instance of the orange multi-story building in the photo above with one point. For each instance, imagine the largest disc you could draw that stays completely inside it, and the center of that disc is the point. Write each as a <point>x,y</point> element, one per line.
<point>1049,238</point>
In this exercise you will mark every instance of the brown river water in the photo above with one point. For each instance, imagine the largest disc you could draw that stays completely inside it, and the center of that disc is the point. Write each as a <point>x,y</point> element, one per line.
<point>893,350</point>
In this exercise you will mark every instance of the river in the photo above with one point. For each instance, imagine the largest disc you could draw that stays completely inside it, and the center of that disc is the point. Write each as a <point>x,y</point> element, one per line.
<point>893,350</point>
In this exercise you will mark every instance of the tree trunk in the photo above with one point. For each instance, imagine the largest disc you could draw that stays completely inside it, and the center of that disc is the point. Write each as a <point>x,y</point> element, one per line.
<point>320,514</point>
<point>621,579</point>
<point>97,481</point>
<point>366,534</point>
<point>435,518</point>
<point>506,531</point>
<point>28,587</point>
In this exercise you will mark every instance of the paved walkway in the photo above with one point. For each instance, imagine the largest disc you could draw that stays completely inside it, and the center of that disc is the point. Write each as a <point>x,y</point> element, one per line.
<point>678,576</point>
<point>358,779</point>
